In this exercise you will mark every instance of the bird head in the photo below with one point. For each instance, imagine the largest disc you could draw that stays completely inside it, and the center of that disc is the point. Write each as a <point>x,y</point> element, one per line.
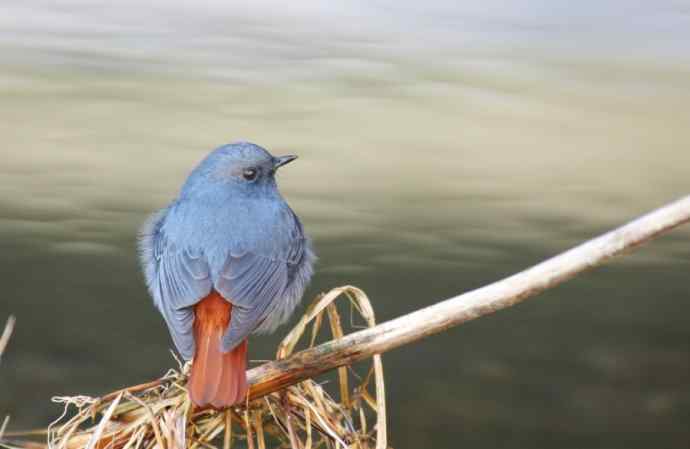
<point>240,168</point>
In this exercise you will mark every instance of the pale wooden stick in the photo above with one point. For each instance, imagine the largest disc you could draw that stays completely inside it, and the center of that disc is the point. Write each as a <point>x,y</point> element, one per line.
<point>279,374</point>
<point>6,334</point>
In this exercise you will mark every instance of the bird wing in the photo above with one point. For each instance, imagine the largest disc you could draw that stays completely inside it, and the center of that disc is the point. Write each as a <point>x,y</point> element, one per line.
<point>177,279</point>
<point>264,288</point>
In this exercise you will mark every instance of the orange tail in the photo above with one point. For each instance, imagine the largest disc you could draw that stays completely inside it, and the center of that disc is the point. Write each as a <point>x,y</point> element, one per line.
<point>217,379</point>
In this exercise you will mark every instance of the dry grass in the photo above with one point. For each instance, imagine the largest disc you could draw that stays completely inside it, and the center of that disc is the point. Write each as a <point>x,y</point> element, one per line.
<point>159,415</point>
<point>6,334</point>
<point>4,340</point>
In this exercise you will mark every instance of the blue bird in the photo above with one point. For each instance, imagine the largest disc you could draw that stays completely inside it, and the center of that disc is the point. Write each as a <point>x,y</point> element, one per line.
<point>227,258</point>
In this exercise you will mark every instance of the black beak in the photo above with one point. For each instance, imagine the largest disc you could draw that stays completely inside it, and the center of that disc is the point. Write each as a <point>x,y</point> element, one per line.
<point>283,160</point>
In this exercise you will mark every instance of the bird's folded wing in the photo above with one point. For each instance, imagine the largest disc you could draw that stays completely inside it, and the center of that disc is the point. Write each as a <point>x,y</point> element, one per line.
<point>177,278</point>
<point>263,289</point>
<point>264,286</point>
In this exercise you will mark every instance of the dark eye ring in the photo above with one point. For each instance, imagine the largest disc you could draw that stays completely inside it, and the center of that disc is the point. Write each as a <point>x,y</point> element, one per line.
<point>250,174</point>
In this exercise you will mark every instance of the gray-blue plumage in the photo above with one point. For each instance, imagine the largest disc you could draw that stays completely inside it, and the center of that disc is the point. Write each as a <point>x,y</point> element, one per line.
<point>232,234</point>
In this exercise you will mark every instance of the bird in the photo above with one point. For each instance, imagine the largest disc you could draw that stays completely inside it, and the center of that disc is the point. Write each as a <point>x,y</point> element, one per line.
<point>225,259</point>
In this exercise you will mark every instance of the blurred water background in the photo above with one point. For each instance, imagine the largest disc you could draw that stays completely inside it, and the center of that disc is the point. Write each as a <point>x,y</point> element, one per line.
<point>442,146</point>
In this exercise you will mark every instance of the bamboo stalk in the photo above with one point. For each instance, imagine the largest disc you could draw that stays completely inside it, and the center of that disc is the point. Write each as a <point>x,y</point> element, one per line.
<point>507,292</point>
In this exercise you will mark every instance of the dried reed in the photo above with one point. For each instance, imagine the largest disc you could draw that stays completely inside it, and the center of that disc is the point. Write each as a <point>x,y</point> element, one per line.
<point>159,415</point>
<point>6,334</point>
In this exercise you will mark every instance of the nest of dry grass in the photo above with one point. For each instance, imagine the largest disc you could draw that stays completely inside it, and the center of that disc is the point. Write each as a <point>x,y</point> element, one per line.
<point>159,415</point>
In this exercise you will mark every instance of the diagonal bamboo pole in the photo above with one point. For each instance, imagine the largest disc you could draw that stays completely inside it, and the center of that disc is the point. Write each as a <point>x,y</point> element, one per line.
<point>279,374</point>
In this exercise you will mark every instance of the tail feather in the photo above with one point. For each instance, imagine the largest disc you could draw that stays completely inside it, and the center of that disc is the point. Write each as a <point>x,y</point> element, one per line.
<point>217,379</point>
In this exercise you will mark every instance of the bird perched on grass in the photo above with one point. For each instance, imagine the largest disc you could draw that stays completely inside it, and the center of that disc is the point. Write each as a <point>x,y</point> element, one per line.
<point>225,259</point>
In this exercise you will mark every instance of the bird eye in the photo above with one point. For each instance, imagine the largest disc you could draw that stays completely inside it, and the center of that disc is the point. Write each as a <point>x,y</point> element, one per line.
<point>250,174</point>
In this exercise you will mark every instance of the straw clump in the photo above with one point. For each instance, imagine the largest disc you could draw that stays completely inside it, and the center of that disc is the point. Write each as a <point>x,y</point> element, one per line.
<point>159,414</point>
